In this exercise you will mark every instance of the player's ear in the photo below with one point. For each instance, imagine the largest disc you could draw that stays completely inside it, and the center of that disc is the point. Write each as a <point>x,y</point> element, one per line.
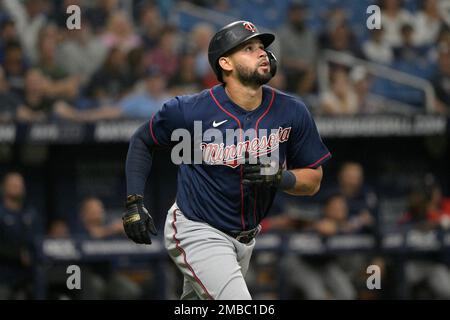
<point>225,63</point>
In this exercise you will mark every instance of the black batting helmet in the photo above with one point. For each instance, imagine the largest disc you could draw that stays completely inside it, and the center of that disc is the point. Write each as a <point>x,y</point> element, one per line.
<point>231,36</point>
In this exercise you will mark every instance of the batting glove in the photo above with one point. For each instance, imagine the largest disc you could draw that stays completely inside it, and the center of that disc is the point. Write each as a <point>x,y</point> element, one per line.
<point>137,222</point>
<point>263,174</point>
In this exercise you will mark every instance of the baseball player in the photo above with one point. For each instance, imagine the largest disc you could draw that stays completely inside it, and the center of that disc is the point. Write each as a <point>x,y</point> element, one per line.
<point>211,228</point>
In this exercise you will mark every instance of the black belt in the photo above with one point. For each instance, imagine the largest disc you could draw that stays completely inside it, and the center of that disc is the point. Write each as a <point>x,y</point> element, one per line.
<point>244,236</point>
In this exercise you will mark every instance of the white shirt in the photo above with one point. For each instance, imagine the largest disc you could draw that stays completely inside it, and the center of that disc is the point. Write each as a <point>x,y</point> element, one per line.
<point>392,26</point>
<point>379,52</point>
<point>426,30</point>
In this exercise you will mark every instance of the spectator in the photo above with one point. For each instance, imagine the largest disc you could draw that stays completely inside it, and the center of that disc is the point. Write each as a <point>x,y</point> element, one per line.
<point>429,210</point>
<point>335,16</point>
<point>62,86</point>
<point>15,66</point>
<point>338,35</point>
<point>93,219</point>
<point>439,205</point>
<point>361,200</point>
<point>8,33</point>
<point>81,53</point>
<point>137,105</point>
<point>322,277</point>
<point>427,23</point>
<point>112,81</point>
<point>407,51</point>
<point>441,80</point>
<point>362,217</point>
<point>99,14</point>
<point>58,229</point>
<point>342,39</point>
<point>36,104</point>
<point>201,34</point>
<point>145,104</point>
<point>151,26</point>
<point>29,17</point>
<point>19,225</point>
<point>377,49</point>
<point>341,99</point>
<point>444,8</point>
<point>101,280</point>
<point>9,102</point>
<point>393,17</point>
<point>185,81</point>
<point>120,33</point>
<point>136,66</point>
<point>57,273</point>
<point>424,272</point>
<point>298,50</point>
<point>165,55</point>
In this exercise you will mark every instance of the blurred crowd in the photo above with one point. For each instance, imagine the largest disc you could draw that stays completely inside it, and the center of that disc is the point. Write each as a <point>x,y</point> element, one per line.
<point>125,61</point>
<point>22,227</point>
<point>348,206</point>
<point>351,207</point>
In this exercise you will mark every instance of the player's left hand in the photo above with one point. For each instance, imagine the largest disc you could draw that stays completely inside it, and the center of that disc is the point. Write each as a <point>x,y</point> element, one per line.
<point>261,174</point>
<point>137,222</point>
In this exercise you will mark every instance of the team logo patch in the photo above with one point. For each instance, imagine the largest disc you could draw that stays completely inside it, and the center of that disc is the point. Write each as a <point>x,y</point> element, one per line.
<point>230,155</point>
<point>250,26</point>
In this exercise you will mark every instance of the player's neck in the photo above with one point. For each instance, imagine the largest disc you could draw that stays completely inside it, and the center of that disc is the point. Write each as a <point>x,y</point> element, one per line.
<point>246,97</point>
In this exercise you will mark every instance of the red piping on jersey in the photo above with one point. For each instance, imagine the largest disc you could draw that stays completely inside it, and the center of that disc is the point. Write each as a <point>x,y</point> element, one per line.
<point>178,246</point>
<point>256,130</point>
<point>240,140</point>
<point>312,165</point>
<point>265,112</point>
<point>151,130</point>
<point>254,205</point>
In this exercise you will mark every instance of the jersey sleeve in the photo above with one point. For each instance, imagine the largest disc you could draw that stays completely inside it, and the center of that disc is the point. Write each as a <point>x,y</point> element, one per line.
<point>305,148</point>
<point>165,121</point>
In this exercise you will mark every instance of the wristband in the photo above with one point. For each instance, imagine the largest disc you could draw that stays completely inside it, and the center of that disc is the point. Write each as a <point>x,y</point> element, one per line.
<point>288,180</point>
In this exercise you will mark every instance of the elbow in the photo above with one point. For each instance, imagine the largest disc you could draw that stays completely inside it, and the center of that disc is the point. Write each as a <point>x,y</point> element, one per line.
<point>316,181</point>
<point>305,190</point>
<point>314,189</point>
<point>314,186</point>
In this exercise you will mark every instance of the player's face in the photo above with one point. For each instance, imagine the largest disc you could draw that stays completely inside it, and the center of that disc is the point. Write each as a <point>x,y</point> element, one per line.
<point>251,63</point>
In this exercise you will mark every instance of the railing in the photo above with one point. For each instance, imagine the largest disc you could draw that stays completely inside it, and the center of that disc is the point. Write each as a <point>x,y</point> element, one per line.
<point>376,69</point>
<point>120,131</point>
<point>401,245</point>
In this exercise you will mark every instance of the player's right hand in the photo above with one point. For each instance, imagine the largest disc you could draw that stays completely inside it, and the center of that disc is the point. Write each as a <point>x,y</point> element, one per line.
<point>137,222</point>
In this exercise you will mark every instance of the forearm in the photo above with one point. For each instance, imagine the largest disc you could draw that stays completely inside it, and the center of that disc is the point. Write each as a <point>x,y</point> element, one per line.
<point>307,181</point>
<point>139,161</point>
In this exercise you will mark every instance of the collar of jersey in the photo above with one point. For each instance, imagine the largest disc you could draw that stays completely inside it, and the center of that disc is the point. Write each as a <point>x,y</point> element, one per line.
<point>227,103</point>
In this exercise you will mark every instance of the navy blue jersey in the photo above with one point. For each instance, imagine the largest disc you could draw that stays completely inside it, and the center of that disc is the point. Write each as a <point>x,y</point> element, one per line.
<point>212,191</point>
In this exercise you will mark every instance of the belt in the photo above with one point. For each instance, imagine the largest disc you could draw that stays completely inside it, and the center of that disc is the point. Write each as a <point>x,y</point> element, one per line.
<point>244,236</point>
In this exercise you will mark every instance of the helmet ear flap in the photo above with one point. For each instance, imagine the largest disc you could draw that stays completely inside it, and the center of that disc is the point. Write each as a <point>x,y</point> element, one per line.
<point>273,62</point>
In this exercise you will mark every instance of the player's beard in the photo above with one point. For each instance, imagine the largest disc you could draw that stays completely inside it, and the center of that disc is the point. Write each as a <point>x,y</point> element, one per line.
<point>252,78</point>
